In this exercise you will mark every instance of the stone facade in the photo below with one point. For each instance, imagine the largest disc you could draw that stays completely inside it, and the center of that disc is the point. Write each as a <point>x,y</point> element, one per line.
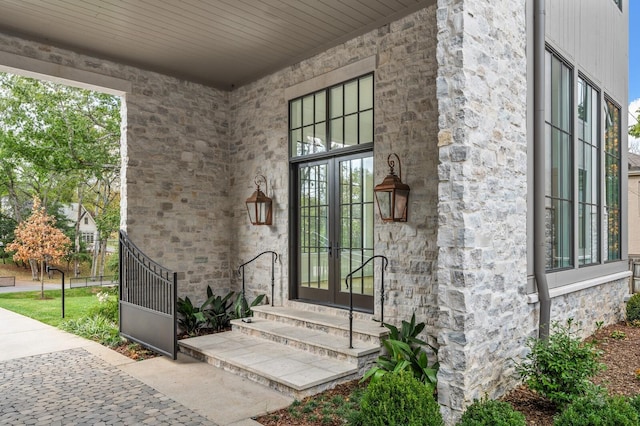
<point>450,100</point>
<point>405,123</point>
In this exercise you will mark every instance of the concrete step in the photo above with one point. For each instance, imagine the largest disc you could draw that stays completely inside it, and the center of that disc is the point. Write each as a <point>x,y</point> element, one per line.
<point>310,339</point>
<point>298,350</point>
<point>330,321</point>
<point>290,370</point>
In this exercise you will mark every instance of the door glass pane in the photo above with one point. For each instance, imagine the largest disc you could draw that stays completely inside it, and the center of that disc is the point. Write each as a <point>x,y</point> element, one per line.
<point>356,223</point>
<point>313,227</point>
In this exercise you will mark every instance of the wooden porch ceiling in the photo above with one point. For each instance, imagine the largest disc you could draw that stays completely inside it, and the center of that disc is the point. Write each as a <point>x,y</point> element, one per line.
<point>221,43</point>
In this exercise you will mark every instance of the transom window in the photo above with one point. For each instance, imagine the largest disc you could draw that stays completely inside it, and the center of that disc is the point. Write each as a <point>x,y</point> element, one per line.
<point>332,118</point>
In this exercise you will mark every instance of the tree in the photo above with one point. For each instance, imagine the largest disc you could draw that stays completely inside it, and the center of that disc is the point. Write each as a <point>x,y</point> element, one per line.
<point>37,239</point>
<point>634,130</point>
<point>57,142</point>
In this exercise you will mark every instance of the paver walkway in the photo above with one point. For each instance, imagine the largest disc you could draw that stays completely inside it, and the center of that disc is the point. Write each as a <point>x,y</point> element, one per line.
<point>50,377</point>
<point>74,387</point>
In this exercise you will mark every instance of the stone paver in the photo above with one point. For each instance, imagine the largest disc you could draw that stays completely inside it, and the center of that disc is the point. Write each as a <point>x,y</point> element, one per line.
<point>74,387</point>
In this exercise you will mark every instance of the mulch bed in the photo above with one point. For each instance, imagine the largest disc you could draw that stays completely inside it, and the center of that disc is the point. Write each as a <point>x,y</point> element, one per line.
<point>620,355</point>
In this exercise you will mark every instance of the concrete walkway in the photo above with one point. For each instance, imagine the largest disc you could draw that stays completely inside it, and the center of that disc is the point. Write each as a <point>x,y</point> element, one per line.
<point>50,377</point>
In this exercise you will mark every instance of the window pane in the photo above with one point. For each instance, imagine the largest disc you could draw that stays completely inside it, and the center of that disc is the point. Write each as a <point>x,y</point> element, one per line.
<point>321,107</point>
<point>612,176</point>
<point>307,110</point>
<point>296,113</point>
<point>351,130</point>
<point>366,93</point>
<point>366,127</point>
<point>320,139</point>
<point>337,137</point>
<point>335,109</point>
<point>351,97</point>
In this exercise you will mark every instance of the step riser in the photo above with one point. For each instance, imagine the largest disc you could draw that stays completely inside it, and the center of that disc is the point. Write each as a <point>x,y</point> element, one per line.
<point>338,332</point>
<point>265,381</point>
<point>342,313</point>
<point>309,347</point>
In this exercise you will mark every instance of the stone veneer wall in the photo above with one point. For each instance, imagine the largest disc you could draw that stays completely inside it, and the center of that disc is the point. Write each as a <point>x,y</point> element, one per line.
<point>175,166</point>
<point>405,123</point>
<point>601,303</point>
<point>482,280</point>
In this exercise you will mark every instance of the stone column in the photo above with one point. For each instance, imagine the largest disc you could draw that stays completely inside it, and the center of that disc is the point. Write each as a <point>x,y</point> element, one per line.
<point>484,317</point>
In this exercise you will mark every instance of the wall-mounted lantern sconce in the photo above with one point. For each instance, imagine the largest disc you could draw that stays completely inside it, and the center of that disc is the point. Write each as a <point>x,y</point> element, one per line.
<point>259,205</point>
<point>392,195</point>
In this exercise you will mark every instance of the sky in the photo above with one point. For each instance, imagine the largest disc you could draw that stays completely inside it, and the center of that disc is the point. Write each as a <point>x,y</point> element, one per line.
<point>634,63</point>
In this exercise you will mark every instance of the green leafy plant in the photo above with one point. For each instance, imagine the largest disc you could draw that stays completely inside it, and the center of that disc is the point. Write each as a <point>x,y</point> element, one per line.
<point>191,318</point>
<point>487,412</point>
<point>598,409</point>
<point>561,367</point>
<point>216,310</point>
<point>633,308</point>
<point>398,399</point>
<point>108,304</point>
<point>635,403</point>
<point>618,335</point>
<point>241,309</point>
<point>96,328</point>
<point>404,351</point>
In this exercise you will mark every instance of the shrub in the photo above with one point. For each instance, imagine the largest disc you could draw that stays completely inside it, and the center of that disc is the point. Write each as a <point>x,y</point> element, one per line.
<point>398,400</point>
<point>108,306</point>
<point>598,410</point>
<point>405,352</point>
<point>633,308</point>
<point>560,368</point>
<point>635,403</point>
<point>487,412</point>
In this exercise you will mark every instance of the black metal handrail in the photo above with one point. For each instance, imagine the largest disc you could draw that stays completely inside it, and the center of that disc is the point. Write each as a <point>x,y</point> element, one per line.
<point>348,280</point>
<point>274,257</point>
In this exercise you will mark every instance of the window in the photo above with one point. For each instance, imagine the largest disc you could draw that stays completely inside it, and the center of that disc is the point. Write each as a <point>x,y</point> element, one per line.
<point>331,142</point>
<point>86,220</point>
<point>582,171</point>
<point>559,164</point>
<point>333,118</point>
<point>87,237</point>
<point>612,179</point>
<point>588,174</point>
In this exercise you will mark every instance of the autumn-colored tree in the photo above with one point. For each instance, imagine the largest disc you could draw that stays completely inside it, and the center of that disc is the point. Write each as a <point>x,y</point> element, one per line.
<point>37,239</point>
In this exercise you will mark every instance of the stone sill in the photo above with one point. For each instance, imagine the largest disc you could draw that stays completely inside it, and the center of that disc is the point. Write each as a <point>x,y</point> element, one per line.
<point>582,285</point>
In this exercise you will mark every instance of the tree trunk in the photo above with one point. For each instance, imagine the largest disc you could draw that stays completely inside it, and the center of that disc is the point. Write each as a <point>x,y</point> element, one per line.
<point>76,266</point>
<point>42,279</point>
<point>103,255</point>
<point>34,269</point>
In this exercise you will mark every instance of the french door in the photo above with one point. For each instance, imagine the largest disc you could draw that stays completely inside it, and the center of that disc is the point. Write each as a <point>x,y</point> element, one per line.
<point>334,229</point>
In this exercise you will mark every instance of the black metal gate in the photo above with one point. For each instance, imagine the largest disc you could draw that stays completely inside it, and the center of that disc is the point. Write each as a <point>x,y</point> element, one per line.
<point>147,300</point>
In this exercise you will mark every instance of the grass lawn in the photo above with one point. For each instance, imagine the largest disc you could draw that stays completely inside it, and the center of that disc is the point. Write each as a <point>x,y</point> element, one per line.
<point>78,302</point>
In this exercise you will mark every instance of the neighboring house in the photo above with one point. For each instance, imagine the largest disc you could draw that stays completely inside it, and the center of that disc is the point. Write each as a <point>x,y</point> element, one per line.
<point>634,206</point>
<point>510,137</point>
<point>88,228</point>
